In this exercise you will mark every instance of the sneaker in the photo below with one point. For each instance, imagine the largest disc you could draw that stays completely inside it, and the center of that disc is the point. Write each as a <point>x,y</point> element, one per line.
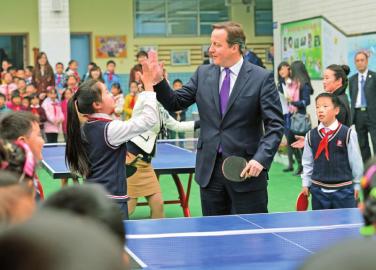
<point>299,171</point>
<point>288,169</point>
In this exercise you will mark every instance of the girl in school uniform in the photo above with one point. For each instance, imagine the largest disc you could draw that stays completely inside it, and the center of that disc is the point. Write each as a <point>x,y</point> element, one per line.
<point>96,74</point>
<point>67,94</point>
<point>65,97</point>
<point>73,70</point>
<point>96,147</point>
<point>15,103</point>
<point>144,183</point>
<point>55,116</point>
<point>130,100</point>
<point>72,83</point>
<point>8,86</point>
<point>117,93</point>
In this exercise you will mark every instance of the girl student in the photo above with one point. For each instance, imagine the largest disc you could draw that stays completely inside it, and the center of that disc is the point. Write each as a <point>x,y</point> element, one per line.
<point>72,69</point>
<point>141,150</point>
<point>96,144</point>
<point>300,91</point>
<point>130,100</point>
<point>117,93</point>
<point>96,74</point>
<point>17,191</point>
<point>71,83</point>
<point>55,116</point>
<point>65,97</point>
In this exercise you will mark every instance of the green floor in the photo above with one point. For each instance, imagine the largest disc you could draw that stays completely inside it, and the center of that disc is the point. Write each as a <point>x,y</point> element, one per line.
<point>283,189</point>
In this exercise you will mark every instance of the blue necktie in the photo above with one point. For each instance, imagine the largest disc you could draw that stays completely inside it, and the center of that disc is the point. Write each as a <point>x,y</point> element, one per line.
<point>363,102</point>
<point>225,91</point>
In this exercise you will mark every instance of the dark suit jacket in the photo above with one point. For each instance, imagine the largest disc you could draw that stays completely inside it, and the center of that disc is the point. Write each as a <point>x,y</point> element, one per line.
<point>370,90</point>
<point>252,126</point>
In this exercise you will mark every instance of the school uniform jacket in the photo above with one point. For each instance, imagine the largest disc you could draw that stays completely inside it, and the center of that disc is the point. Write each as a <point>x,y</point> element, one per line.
<point>146,140</point>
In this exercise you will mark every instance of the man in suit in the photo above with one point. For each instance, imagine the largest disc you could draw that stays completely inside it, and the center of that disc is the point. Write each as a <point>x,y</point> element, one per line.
<point>363,104</point>
<point>240,114</point>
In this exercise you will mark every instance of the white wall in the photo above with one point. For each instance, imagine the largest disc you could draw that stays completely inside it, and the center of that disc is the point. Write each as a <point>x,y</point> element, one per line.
<point>352,17</point>
<point>54,31</point>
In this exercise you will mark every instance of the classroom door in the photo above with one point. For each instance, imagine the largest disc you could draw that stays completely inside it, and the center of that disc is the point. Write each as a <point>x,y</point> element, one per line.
<point>81,51</point>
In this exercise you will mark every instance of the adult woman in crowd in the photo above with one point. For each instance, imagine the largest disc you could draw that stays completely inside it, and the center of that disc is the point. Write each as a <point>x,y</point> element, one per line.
<point>43,74</point>
<point>299,98</point>
<point>284,81</point>
<point>335,81</point>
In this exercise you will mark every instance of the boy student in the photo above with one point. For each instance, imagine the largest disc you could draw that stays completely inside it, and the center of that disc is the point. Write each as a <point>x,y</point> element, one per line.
<point>109,76</point>
<point>29,74</point>
<point>331,167</point>
<point>59,78</point>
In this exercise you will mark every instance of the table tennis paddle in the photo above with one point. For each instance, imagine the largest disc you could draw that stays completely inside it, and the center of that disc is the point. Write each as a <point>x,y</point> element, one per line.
<point>302,202</point>
<point>232,167</point>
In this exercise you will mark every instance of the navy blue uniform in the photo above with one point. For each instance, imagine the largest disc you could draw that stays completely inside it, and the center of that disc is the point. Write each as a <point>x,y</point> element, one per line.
<point>333,174</point>
<point>107,162</point>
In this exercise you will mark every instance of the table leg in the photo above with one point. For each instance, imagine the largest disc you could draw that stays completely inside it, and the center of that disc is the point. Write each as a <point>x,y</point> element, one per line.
<point>183,197</point>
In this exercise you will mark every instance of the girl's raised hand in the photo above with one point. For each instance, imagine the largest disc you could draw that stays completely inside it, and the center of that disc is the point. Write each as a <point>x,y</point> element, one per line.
<point>152,70</point>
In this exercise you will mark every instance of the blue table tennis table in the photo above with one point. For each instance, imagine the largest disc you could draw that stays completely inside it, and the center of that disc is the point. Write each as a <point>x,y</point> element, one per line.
<point>260,241</point>
<point>169,160</point>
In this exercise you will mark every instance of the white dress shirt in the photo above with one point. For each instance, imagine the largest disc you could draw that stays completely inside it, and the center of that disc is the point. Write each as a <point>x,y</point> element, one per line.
<point>234,72</point>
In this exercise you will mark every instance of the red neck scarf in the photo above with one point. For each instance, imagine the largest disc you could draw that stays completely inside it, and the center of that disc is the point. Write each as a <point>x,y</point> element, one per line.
<point>110,74</point>
<point>133,101</point>
<point>324,142</point>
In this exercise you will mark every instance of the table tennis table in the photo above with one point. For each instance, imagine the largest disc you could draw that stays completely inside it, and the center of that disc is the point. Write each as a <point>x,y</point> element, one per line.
<point>169,160</point>
<point>259,241</point>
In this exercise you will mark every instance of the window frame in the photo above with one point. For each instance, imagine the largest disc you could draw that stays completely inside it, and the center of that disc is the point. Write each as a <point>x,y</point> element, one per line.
<point>166,22</point>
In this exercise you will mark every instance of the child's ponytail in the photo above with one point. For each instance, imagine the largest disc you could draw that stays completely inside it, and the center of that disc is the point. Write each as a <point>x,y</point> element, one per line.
<point>80,103</point>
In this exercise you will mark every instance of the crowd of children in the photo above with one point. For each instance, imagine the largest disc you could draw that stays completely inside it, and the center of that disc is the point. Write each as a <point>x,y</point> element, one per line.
<point>45,91</point>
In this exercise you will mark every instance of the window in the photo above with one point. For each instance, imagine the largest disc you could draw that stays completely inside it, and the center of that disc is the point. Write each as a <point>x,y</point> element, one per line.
<point>181,17</point>
<point>211,12</point>
<point>150,17</point>
<point>13,47</point>
<point>263,18</point>
<point>178,17</point>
